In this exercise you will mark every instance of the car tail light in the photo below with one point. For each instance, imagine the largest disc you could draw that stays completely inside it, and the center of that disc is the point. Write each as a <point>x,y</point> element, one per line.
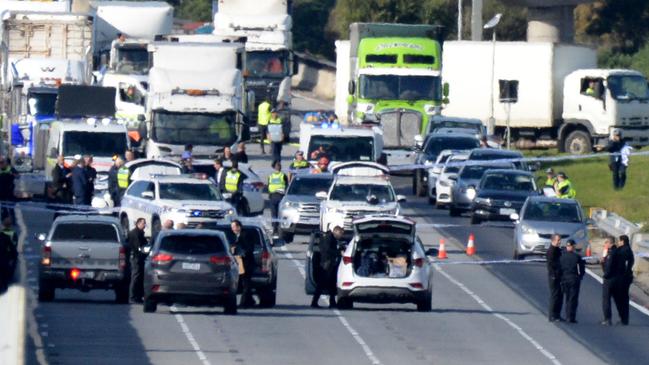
<point>220,260</point>
<point>419,262</point>
<point>74,274</point>
<point>265,261</point>
<point>162,258</point>
<point>417,285</point>
<point>347,260</point>
<point>155,288</point>
<point>122,258</point>
<point>46,260</point>
<point>348,283</point>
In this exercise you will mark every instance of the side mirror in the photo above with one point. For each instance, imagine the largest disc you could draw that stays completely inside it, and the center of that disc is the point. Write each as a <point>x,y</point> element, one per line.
<point>446,89</point>
<point>41,237</point>
<point>141,118</point>
<point>147,195</point>
<point>141,129</point>
<point>321,195</point>
<point>419,141</point>
<point>514,216</point>
<point>432,252</point>
<point>401,198</point>
<point>351,87</point>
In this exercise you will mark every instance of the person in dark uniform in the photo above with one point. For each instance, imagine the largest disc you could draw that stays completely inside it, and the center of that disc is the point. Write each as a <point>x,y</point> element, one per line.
<point>573,270</point>
<point>219,174</point>
<point>612,279</point>
<point>277,183</point>
<point>326,274</point>
<point>241,154</point>
<point>79,182</point>
<point>61,181</point>
<point>553,257</point>
<point>113,184</point>
<point>614,147</point>
<point>137,242</point>
<point>91,176</point>
<point>625,265</point>
<point>242,246</point>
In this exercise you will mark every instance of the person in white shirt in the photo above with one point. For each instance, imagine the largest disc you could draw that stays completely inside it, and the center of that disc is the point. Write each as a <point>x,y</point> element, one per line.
<point>625,153</point>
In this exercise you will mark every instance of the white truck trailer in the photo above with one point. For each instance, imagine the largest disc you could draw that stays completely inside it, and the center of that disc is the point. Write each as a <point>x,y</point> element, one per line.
<point>196,97</point>
<point>562,98</point>
<point>267,27</point>
<point>35,5</point>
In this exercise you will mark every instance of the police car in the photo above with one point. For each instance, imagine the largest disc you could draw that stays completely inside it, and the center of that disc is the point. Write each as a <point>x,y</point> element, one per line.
<point>341,144</point>
<point>181,198</point>
<point>358,189</point>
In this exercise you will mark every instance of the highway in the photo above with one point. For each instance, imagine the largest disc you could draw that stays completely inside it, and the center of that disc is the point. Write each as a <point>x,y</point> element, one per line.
<point>481,313</point>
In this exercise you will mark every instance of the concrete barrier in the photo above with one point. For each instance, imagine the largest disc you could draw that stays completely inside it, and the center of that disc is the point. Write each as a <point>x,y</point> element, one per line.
<point>640,245</point>
<point>13,325</point>
<point>315,75</point>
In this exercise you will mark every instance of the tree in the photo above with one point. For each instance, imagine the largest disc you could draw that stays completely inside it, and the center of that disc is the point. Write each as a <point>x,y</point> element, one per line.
<point>619,25</point>
<point>196,10</point>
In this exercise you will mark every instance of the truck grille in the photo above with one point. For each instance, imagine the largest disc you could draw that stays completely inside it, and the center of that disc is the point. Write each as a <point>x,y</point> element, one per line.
<point>400,127</point>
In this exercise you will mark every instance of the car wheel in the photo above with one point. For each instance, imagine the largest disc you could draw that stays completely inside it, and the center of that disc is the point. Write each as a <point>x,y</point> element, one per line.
<point>518,256</point>
<point>475,219</point>
<point>121,293</point>
<point>230,305</point>
<point>431,200</point>
<point>124,223</point>
<point>345,303</point>
<point>46,292</point>
<point>420,189</point>
<point>439,205</point>
<point>426,304</point>
<point>287,237</point>
<point>150,305</point>
<point>268,298</point>
<point>453,212</point>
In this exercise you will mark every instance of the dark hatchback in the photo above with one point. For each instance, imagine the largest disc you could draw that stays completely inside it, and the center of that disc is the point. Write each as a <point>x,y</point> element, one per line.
<point>192,267</point>
<point>502,193</point>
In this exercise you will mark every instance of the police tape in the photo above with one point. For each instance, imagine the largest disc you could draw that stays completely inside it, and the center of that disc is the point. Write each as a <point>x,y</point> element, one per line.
<point>486,262</point>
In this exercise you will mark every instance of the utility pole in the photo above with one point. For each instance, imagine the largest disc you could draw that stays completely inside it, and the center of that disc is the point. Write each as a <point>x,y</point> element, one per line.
<point>476,20</point>
<point>459,20</point>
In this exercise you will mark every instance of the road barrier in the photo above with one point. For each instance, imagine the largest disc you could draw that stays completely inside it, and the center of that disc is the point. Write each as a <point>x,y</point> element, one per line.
<point>613,224</point>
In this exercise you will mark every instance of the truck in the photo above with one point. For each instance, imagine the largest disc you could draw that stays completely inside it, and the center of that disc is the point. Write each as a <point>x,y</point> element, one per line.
<point>552,94</point>
<point>390,74</point>
<point>196,96</point>
<point>342,144</point>
<point>40,51</point>
<point>124,63</point>
<point>35,5</point>
<point>270,63</point>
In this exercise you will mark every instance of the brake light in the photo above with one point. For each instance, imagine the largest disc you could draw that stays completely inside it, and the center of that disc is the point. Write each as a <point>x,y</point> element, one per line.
<point>74,274</point>
<point>46,260</point>
<point>347,260</point>
<point>348,283</point>
<point>419,262</point>
<point>265,261</point>
<point>220,260</point>
<point>155,288</point>
<point>162,258</point>
<point>122,258</point>
<point>417,285</point>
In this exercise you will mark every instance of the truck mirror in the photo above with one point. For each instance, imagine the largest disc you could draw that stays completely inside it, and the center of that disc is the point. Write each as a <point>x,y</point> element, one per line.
<point>141,129</point>
<point>446,89</point>
<point>141,118</point>
<point>351,88</point>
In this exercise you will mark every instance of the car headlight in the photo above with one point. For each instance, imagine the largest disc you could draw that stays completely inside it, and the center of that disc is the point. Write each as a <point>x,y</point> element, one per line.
<point>470,193</point>
<point>580,234</point>
<point>230,212</point>
<point>290,204</point>
<point>429,163</point>
<point>483,201</point>
<point>529,234</point>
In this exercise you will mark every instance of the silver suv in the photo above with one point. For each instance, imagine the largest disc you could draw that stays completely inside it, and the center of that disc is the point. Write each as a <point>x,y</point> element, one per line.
<point>299,210</point>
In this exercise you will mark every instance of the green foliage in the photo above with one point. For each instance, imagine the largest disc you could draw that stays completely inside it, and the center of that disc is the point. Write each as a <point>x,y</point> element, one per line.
<point>309,27</point>
<point>196,10</point>
<point>622,23</point>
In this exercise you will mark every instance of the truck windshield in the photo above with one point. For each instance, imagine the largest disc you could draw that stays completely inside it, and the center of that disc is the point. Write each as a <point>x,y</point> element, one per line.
<point>344,149</point>
<point>194,128</point>
<point>181,191</point>
<point>628,87</point>
<point>132,60</point>
<point>267,63</point>
<point>98,144</point>
<point>42,104</point>
<point>393,87</point>
<point>362,192</point>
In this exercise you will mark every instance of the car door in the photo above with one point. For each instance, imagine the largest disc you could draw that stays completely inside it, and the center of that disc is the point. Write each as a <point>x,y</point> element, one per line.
<point>132,200</point>
<point>312,263</point>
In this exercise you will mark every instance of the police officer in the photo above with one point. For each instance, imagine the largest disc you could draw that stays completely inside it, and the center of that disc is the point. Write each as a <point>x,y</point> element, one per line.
<point>322,166</point>
<point>219,174</point>
<point>113,180</point>
<point>243,247</point>
<point>553,257</point>
<point>550,178</point>
<point>326,273</point>
<point>263,118</point>
<point>234,185</point>
<point>61,175</point>
<point>612,279</point>
<point>573,270</point>
<point>137,242</point>
<point>625,263</point>
<point>277,182</point>
<point>79,182</point>
<point>299,162</point>
<point>275,134</point>
<point>564,187</point>
<point>91,176</point>
<point>614,147</point>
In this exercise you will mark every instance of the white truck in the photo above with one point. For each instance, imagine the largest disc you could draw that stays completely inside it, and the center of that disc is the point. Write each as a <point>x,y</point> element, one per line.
<point>35,5</point>
<point>196,96</point>
<point>562,98</point>
<point>267,27</point>
<point>39,52</point>
<point>342,144</point>
<point>124,63</point>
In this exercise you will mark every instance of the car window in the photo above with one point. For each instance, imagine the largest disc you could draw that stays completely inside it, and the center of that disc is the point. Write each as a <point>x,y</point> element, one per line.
<point>187,191</point>
<point>508,182</point>
<point>192,244</point>
<point>137,188</point>
<point>362,192</point>
<point>476,171</point>
<point>436,145</point>
<point>552,212</point>
<point>308,186</point>
<point>78,231</point>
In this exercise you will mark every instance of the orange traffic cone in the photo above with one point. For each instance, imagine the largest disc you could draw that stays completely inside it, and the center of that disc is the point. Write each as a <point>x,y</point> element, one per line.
<point>470,246</point>
<point>442,250</point>
<point>589,251</point>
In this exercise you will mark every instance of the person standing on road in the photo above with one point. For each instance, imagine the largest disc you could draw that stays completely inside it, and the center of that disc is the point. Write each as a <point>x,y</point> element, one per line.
<point>263,117</point>
<point>612,279</point>
<point>7,180</point>
<point>553,257</point>
<point>573,270</point>
<point>326,274</point>
<point>219,174</point>
<point>91,176</point>
<point>243,247</point>
<point>137,242</point>
<point>113,180</point>
<point>614,147</point>
<point>241,154</point>
<point>277,183</point>
<point>626,262</point>
<point>625,153</point>
<point>61,175</point>
<point>227,154</point>
<point>234,186</point>
<point>79,182</point>
<point>563,188</point>
<point>8,257</point>
<point>276,134</point>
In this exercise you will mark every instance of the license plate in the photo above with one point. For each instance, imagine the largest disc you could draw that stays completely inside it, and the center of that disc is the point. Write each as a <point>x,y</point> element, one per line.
<point>505,211</point>
<point>188,266</point>
<point>254,129</point>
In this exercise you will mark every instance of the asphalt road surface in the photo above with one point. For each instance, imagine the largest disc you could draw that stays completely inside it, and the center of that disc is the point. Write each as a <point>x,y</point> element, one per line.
<point>481,314</point>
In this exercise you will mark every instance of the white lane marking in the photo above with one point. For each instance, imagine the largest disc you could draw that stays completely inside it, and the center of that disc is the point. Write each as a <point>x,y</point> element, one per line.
<point>635,305</point>
<point>190,337</point>
<point>357,337</point>
<point>302,96</point>
<point>509,322</point>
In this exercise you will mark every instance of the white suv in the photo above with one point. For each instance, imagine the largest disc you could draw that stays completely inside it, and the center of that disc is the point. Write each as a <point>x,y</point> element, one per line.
<point>359,189</point>
<point>181,198</point>
<point>385,262</point>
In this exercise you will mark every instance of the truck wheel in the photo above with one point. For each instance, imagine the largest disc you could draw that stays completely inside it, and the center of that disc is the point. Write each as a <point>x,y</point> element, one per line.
<point>150,305</point>
<point>578,143</point>
<point>230,305</point>
<point>267,298</point>
<point>46,292</point>
<point>121,294</point>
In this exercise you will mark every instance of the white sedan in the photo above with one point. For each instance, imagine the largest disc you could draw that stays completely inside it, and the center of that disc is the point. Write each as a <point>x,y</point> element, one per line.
<point>447,179</point>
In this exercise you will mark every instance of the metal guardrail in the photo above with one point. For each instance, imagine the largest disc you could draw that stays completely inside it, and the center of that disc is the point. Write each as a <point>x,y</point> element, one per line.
<point>613,224</point>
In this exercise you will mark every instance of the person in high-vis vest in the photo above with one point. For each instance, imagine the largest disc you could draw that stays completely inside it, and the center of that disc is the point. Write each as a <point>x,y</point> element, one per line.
<point>123,180</point>
<point>113,180</point>
<point>277,183</point>
<point>550,178</point>
<point>299,163</point>
<point>275,134</point>
<point>234,186</point>
<point>263,117</point>
<point>564,187</point>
